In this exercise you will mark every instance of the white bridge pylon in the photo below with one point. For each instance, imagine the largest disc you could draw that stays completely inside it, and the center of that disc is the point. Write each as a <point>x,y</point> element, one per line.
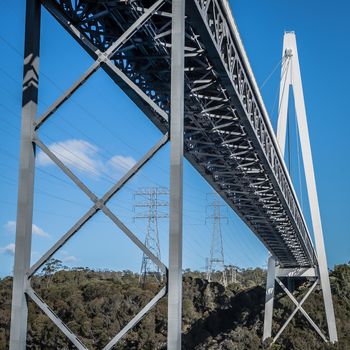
<point>291,77</point>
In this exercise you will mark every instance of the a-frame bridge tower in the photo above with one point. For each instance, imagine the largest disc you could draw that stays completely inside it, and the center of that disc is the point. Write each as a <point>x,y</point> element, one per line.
<point>291,78</point>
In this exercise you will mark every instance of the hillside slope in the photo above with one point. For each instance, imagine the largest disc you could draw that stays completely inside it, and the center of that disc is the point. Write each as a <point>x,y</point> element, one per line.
<point>97,304</point>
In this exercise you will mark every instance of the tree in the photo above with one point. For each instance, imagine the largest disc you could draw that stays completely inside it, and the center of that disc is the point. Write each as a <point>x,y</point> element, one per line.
<point>51,267</point>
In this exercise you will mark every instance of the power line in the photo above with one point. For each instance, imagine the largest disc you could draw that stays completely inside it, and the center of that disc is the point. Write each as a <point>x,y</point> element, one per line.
<point>89,113</point>
<point>273,71</point>
<point>106,128</point>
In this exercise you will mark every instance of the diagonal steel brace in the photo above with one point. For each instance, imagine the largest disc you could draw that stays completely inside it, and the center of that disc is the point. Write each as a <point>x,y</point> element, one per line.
<point>299,307</point>
<point>99,204</point>
<point>55,319</point>
<point>101,58</point>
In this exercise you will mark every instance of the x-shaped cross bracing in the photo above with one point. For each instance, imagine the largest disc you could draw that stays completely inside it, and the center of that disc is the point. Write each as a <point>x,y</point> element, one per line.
<point>101,59</point>
<point>298,307</point>
<point>274,274</point>
<point>99,204</point>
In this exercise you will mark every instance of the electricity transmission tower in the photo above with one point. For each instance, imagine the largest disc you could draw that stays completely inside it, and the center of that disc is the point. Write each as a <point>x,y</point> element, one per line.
<point>232,270</point>
<point>147,208</point>
<point>216,261</point>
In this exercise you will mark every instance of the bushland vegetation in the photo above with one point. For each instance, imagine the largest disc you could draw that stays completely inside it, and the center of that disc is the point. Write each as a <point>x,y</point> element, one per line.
<point>97,304</point>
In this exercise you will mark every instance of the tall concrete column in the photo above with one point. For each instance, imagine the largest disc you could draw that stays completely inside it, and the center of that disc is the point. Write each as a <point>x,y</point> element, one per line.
<point>19,311</point>
<point>176,175</point>
<point>293,78</point>
<point>270,294</point>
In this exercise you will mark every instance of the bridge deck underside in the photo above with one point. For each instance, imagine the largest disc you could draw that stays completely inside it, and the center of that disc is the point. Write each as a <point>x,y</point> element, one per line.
<point>226,136</point>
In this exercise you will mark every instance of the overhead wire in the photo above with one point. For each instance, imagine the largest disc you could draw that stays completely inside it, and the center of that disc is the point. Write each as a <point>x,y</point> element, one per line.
<point>299,166</point>
<point>232,236</point>
<point>56,176</point>
<point>88,112</point>
<point>81,167</point>
<point>284,69</point>
<point>84,168</point>
<point>272,72</point>
<point>79,203</point>
<point>60,198</point>
<point>94,117</point>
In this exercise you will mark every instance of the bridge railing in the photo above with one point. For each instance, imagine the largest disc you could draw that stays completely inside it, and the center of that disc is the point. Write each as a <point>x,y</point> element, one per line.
<point>224,34</point>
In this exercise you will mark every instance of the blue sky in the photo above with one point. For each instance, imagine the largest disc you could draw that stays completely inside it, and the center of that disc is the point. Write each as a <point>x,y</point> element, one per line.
<point>100,133</point>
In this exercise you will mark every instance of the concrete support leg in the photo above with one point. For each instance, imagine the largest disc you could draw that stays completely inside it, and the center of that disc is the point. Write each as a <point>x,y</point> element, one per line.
<point>26,177</point>
<point>270,293</point>
<point>313,199</point>
<point>176,175</point>
<point>293,78</point>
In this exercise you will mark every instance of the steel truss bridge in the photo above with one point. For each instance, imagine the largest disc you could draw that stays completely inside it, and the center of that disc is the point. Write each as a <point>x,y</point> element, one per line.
<point>183,64</point>
<point>228,137</point>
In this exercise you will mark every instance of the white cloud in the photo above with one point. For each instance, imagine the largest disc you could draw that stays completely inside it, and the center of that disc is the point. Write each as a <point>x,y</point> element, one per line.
<point>78,154</point>
<point>9,249</point>
<point>85,157</point>
<point>67,258</point>
<point>10,226</point>
<point>121,164</point>
<point>39,231</point>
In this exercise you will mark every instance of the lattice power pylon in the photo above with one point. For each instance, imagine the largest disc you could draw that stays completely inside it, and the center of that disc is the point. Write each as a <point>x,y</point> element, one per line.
<point>216,263</point>
<point>147,205</point>
<point>232,270</point>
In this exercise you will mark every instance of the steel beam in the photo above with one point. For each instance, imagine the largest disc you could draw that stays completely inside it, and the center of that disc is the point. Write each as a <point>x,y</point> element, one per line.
<point>270,294</point>
<point>296,272</point>
<point>298,307</point>
<point>29,141</point>
<point>114,72</point>
<point>99,204</point>
<point>24,219</point>
<point>55,319</point>
<point>273,273</point>
<point>136,319</point>
<point>176,175</point>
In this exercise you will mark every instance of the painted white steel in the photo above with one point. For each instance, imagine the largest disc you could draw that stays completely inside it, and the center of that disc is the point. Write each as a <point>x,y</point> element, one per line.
<point>296,272</point>
<point>245,60</point>
<point>269,298</point>
<point>298,308</point>
<point>19,311</point>
<point>176,175</point>
<point>296,83</point>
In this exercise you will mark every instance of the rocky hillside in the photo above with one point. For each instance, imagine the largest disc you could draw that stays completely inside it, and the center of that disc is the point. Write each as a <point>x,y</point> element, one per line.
<point>96,304</point>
